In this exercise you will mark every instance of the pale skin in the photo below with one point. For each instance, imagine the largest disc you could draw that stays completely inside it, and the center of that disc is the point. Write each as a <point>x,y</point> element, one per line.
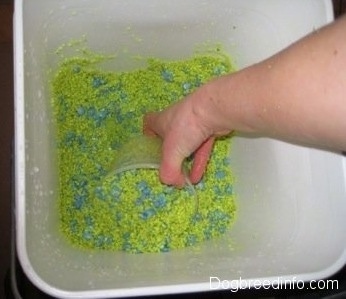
<point>297,95</point>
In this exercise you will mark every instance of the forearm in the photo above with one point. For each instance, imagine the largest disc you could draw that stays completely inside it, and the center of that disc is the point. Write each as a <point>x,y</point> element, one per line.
<point>298,94</point>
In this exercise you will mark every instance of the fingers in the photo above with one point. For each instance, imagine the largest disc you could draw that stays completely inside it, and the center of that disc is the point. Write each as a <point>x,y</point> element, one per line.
<point>181,136</point>
<point>172,155</point>
<point>201,159</point>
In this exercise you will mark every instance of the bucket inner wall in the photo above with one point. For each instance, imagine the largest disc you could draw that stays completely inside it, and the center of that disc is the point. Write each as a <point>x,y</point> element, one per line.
<point>290,198</point>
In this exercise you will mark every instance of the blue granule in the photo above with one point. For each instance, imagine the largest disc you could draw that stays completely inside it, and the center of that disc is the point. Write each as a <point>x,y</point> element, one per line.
<point>126,236</point>
<point>79,141</point>
<point>229,189</point>
<point>89,220</point>
<point>101,170</point>
<point>139,201</point>
<point>127,247</point>
<point>226,161</point>
<point>160,201</point>
<point>115,192</point>
<point>220,174</point>
<point>217,191</point>
<point>200,185</point>
<point>91,112</point>
<point>119,117</point>
<point>222,229</point>
<point>103,113</point>
<point>168,190</point>
<point>123,96</point>
<point>167,75</point>
<point>219,70</point>
<point>99,193</point>
<point>97,82</point>
<point>208,233</point>
<point>187,86</point>
<point>80,201</point>
<point>74,225</point>
<point>198,82</point>
<point>100,241</point>
<point>118,216</point>
<point>70,138</point>
<point>79,181</point>
<point>148,213</point>
<point>80,111</point>
<point>76,69</point>
<point>165,247</point>
<point>100,116</point>
<point>216,216</point>
<point>191,240</point>
<point>197,217</point>
<point>88,234</point>
<point>144,189</point>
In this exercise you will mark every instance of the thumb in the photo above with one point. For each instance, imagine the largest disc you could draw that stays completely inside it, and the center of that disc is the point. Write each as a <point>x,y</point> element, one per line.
<point>171,164</point>
<point>172,155</point>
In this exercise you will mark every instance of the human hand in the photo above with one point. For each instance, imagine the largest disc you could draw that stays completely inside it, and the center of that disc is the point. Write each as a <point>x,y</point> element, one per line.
<point>256,99</point>
<point>184,131</point>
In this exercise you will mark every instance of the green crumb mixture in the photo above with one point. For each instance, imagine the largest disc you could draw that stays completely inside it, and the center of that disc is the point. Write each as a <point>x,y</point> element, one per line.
<point>95,111</point>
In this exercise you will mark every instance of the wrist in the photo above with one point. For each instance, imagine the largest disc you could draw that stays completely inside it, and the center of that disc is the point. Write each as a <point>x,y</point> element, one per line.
<point>228,103</point>
<point>204,105</point>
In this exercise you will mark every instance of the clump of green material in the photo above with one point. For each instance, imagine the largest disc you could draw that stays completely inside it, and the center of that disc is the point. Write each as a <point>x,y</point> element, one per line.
<point>95,112</point>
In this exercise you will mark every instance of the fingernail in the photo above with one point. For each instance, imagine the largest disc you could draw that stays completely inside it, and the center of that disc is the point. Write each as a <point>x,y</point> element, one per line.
<point>178,182</point>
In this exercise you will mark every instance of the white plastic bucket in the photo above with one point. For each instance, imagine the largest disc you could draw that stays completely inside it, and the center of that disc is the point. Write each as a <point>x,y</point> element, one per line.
<point>291,199</point>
